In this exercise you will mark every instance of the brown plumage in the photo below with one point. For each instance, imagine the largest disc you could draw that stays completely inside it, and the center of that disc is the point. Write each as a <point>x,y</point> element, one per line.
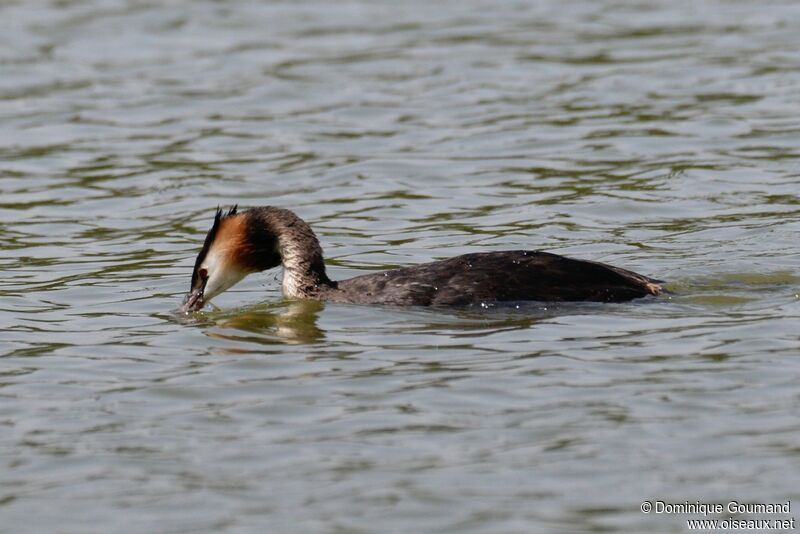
<point>257,239</point>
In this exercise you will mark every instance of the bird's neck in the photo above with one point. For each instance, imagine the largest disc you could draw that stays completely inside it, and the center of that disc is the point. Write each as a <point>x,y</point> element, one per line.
<point>301,256</point>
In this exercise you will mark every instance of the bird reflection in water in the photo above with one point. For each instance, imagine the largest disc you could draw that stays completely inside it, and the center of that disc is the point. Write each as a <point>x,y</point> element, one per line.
<point>293,323</point>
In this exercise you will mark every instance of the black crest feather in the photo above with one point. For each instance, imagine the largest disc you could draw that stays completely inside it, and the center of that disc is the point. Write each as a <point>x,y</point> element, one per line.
<point>212,234</point>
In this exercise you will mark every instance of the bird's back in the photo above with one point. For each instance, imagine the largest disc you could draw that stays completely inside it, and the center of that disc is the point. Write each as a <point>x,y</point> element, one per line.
<point>496,277</point>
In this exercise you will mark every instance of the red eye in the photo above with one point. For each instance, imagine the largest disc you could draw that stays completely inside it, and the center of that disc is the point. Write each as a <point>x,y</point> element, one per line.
<point>203,273</point>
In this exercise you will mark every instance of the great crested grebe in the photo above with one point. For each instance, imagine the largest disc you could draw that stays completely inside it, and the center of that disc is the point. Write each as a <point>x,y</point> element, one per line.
<point>240,243</point>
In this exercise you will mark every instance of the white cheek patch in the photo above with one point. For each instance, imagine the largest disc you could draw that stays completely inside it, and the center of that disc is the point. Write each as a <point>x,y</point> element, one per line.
<point>222,274</point>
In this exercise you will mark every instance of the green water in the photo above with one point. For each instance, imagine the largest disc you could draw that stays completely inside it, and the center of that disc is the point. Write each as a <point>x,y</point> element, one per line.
<point>661,137</point>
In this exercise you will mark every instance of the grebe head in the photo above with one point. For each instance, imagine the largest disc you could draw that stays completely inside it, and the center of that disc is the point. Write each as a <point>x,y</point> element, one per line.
<point>236,245</point>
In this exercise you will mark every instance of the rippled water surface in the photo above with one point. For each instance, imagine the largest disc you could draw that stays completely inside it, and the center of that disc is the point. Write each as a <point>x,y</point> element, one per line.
<point>662,137</point>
